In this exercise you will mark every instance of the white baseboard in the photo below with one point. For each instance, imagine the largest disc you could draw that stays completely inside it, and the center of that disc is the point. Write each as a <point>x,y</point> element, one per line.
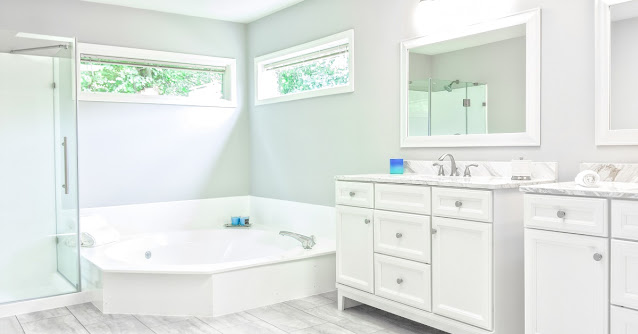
<point>42,304</point>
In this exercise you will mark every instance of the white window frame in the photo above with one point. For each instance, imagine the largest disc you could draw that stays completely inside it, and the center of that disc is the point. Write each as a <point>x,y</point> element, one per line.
<point>300,50</point>
<point>229,85</point>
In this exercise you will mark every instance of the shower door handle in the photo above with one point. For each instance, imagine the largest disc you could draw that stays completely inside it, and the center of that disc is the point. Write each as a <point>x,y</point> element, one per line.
<point>66,167</point>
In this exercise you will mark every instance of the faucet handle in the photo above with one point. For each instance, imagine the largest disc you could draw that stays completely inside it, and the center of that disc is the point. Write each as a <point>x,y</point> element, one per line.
<point>468,172</point>
<point>441,170</point>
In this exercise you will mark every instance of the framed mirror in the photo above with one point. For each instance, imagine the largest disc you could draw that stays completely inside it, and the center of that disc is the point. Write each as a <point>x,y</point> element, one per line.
<point>616,68</point>
<point>474,86</point>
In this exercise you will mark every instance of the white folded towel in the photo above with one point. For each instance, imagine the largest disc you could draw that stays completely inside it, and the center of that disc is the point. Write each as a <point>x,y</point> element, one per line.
<point>96,231</point>
<point>587,178</point>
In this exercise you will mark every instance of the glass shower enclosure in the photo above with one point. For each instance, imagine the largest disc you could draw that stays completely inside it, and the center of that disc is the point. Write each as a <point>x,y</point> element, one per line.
<point>447,107</point>
<point>39,218</point>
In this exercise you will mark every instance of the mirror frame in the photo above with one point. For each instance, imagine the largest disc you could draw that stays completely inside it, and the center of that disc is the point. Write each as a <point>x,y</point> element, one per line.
<point>605,136</point>
<point>532,135</point>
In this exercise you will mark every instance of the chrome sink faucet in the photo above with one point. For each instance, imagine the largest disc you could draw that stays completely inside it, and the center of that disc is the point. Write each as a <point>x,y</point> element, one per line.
<point>441,171</point>
<point>306,242</point>
<point>453,170</point>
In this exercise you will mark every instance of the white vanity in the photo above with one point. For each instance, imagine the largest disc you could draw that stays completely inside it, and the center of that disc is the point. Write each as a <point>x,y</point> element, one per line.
<point>581,255</point>
<point>443,251</point>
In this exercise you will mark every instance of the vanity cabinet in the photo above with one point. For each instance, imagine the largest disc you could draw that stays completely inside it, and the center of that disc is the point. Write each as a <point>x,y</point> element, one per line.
<point>623,320</point>
<point>566,283</point>
<point>581,262</point>
<point>462,270</point>
<point>450,258</point>
<point>355,247</point>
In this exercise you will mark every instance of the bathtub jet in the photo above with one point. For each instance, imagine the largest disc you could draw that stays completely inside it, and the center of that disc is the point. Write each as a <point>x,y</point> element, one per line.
<point>306,242</point>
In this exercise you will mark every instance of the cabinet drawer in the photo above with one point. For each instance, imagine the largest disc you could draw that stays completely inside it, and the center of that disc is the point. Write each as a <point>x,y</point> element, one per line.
<point>354,194</point>
<point>624,219</point>
<point>462,203</point>
<point>567,214</point>
<point>404,281</point>
<point>403,235</point>
<point>412,199</point>
<point>624,273</point>
<point>623,321</point>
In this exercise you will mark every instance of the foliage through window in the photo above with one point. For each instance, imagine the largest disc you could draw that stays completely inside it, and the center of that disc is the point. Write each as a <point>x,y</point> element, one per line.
<point>317,68</point>
<point>115,74</point>
<point>107,76</point>
<point>317,74</point>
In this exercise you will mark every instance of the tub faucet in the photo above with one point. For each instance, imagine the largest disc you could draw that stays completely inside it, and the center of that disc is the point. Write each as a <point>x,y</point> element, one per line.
<point>453,170</point>
<point>306,242</point>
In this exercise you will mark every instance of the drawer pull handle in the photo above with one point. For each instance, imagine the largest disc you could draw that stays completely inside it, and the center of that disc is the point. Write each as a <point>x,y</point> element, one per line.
<point>399,235</point>
<point>458,204</point>
<point>399,280</point>
<point>434,231</point>
<point>352,193</point>
<point>561,214</point>
<point>598,257</point>
<point>367,221</point>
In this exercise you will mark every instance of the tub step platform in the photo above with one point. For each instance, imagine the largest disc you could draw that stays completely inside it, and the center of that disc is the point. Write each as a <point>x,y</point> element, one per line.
<point>237,226</point>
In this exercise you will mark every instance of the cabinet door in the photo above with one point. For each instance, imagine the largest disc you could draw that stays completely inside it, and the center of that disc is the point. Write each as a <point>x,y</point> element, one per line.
<point>462,271</point>
<point>624,273</point>
<point>566,283</point>
<point>355,253</point>
<point>623,320</point>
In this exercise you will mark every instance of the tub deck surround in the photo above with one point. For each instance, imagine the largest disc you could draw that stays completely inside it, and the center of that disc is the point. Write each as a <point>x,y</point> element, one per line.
<point>443,251</point>
<point>201,251</point>
<point>197,267</point>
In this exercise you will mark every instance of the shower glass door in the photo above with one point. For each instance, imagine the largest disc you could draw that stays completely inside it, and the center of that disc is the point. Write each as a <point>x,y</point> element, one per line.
<point>39,251</point>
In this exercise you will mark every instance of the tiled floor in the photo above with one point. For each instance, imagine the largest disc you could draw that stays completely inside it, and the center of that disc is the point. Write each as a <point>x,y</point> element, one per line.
<point>312,315</point>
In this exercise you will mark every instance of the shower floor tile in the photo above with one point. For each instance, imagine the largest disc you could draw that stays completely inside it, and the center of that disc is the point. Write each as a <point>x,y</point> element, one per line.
<point>312,315</point>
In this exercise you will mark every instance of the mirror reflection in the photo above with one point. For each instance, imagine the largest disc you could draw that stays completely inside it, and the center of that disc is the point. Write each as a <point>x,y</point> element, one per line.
<point>624,67</point>
<point>449,81</point>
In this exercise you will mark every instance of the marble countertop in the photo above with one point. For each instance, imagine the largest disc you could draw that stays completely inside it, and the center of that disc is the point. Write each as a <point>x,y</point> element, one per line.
<point>478,182</point>
<point>605,189</point>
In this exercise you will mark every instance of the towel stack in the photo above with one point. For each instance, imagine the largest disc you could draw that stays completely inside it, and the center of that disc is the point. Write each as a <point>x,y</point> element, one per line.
<point>96,232</point>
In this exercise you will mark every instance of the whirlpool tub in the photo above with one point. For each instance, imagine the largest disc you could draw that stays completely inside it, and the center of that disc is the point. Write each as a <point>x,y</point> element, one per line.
<point>205,272</point>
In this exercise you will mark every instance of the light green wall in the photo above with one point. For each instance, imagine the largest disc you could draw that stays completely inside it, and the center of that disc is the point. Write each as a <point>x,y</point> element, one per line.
<point>143,153</point>
<point>298,147</point>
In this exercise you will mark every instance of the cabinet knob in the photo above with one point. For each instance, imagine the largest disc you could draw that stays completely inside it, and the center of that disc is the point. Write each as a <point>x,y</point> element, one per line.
<point>458,204</point>
<point>352,193</point>
<point>598,257</point>
<point>399,235</point>
<point>399,280</point>
<point>561,214</point>
<point>434,231</point>
<point>367,221</point>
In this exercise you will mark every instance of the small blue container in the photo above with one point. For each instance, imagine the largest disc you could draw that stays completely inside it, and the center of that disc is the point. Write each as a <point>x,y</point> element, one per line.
<point>235,221</point>
<point>396,166</point>
<point>243,221</point>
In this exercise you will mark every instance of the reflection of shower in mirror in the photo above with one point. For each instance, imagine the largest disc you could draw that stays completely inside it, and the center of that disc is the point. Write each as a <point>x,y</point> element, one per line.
<point>449,87</point>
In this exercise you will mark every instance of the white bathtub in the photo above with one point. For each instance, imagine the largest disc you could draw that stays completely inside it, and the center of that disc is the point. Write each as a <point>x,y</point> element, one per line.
<point>206,272</point>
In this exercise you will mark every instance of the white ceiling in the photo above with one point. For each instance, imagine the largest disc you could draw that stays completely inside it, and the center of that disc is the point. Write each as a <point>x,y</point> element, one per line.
<point>242,11</point>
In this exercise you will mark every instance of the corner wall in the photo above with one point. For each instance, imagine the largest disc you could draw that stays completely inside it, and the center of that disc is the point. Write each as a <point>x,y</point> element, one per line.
<point>301,145</point>
<point>144,153</point>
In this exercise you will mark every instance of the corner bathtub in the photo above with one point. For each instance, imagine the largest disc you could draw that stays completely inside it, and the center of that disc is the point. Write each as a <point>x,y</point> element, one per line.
<point>206,272</point>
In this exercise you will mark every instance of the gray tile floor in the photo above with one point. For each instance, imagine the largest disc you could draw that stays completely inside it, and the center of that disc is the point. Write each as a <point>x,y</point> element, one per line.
<point>313,315</point>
